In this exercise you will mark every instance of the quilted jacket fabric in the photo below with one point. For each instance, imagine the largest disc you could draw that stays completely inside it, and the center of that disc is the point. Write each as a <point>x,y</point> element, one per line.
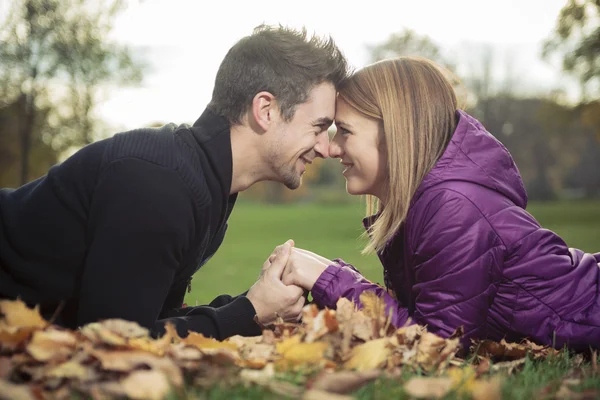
<point>468,254</point>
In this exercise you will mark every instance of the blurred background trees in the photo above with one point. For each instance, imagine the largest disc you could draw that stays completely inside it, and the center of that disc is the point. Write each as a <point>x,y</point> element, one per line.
<point>56,60</point>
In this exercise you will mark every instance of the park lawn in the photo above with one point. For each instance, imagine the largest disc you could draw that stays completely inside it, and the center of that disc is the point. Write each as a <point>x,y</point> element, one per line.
<point>334,231</point>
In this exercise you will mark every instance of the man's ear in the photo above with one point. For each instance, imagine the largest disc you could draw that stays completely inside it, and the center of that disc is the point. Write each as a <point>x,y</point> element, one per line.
<point>265,110</point>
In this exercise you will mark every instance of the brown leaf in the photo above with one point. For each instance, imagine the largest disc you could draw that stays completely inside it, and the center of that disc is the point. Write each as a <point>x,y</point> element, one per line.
<point>509,366</point>
<point>487,390</point>
<point>128,360</point>
<point>345,309</point>
<point>17,314</point>
<point>52,345</point>
<point>10,391</point>
<point>428,387</point>
<point>142,385</point>
<point>72,369</point>
<point>116,332</point>
<point>432,350</point>
<point>343,381</point>
<point>6,367</point>
<point>369,355</point>
<point>316,394</point>
<point>513,351</point>
<point>12,338</point>
<point>323,323</point>
<point>409,334</point>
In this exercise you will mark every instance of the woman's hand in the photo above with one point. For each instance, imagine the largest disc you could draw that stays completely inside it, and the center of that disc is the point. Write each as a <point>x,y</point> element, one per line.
<point>304,268</point>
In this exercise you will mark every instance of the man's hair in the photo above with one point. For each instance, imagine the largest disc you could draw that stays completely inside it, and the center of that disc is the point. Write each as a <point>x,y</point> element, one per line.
<point>282,61</point>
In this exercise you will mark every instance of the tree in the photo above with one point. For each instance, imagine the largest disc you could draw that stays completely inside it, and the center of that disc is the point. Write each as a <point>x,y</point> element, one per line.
<point>55,56</point>
<point>577,37</point>
<point>407,43</point>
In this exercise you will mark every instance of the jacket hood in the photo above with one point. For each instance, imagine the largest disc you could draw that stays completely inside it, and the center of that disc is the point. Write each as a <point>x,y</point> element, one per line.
<point>474,155</point>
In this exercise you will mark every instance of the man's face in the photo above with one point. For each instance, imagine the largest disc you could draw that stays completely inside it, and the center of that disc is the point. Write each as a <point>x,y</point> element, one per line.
<point>297,142</point>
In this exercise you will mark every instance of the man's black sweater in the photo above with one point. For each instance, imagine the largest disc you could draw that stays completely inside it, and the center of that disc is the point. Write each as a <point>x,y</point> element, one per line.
<point>119,228</point>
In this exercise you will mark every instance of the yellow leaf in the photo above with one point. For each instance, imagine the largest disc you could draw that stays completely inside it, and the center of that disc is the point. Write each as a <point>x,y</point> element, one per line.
<point>373,305</point>
<point>51,345</point>
<point>202,342</point>
<point>17,314</point>
<point>73,370</point>
<point>294,352</point>
<point>369,355</point>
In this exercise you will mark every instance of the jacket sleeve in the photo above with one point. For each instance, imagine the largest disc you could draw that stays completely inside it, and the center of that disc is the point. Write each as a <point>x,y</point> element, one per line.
<point>343,280</point>
<point>140,225</point>
<point>455,255</point>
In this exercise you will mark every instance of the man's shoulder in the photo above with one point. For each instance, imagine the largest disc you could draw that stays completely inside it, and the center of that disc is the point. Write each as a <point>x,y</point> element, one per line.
<point>154,145</point>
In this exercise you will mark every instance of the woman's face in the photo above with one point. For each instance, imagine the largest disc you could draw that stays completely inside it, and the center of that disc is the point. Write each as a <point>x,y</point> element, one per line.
<point>358,143</point>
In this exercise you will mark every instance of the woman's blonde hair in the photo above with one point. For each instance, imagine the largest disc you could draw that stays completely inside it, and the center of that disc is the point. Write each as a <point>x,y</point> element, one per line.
<point>416,106</point>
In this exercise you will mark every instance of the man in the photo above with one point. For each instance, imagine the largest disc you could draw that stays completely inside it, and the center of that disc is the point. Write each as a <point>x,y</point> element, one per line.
<point>119,228</point>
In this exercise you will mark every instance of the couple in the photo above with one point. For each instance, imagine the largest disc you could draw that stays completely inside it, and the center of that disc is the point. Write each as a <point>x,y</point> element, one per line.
<point>119,228</point>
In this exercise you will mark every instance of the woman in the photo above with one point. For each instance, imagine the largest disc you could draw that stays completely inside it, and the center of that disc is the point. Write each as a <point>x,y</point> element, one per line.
<point>450,226</point>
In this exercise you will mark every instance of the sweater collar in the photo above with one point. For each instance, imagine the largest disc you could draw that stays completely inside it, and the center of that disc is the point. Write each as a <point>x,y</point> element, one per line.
<point>212,133</point>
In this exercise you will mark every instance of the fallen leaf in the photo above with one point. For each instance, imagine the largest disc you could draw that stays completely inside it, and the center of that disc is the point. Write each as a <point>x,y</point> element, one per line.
<point>315,394</point>
<point>343,381</point>
<point>17,314</point>
<point>51,345</point>
<point>490,389</point>
<point>203,343</point>
<point>509,366</point>
<point>369,355</point>
<point>126,361</point>
<point>513,351</point>
<point>428,387</point>
<point>72,369</point>
<point>294,352</point>
<point>139,385</point>
<point>12,338</point>
<point>11,391</point>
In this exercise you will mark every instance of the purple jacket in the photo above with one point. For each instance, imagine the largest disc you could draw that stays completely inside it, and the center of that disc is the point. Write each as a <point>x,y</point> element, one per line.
<point>469,254</point>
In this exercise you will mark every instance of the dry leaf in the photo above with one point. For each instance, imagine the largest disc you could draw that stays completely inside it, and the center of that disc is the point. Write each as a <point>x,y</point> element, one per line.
<point>203,343</point>
<point>315,394</point>
<point>428,387</point>
<point>369,355</point>
<point>487,390</point>
<point>17,314</point>
<point>152,385</point>
<point>293,352</point>
<point>513,351</point>
<point>51,345</point>
<point>343,381</point>
<point>128,360</point>
<point>10,391</point>
<point>72,369</point>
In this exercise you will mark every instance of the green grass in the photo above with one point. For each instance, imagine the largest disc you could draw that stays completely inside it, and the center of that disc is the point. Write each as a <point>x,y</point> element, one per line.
<point>535,379</point>
<point>333,231</point>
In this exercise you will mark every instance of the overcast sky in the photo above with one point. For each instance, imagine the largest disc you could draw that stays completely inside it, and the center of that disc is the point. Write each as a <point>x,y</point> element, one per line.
<point>184,41</point>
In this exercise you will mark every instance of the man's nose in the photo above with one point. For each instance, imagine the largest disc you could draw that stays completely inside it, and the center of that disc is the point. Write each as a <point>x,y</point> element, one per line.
<point>322,146</point>
<point>335,150</point>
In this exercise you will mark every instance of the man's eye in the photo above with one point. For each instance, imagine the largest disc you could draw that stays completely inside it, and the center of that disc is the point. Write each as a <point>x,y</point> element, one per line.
<point>344,131</point>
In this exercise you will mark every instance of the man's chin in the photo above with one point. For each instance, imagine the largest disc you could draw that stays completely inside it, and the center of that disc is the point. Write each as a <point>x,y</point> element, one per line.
<point>293,185</point>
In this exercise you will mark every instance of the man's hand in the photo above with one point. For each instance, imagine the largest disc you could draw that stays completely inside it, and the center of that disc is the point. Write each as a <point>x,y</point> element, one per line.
<point>304,268</point>
<point>270,297</point>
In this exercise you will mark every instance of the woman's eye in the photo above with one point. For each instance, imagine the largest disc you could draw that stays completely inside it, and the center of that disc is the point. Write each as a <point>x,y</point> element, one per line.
<point>344,131</point>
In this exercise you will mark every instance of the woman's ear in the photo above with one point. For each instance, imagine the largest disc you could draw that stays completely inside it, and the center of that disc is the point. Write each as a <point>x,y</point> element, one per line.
<point>264,110</point>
